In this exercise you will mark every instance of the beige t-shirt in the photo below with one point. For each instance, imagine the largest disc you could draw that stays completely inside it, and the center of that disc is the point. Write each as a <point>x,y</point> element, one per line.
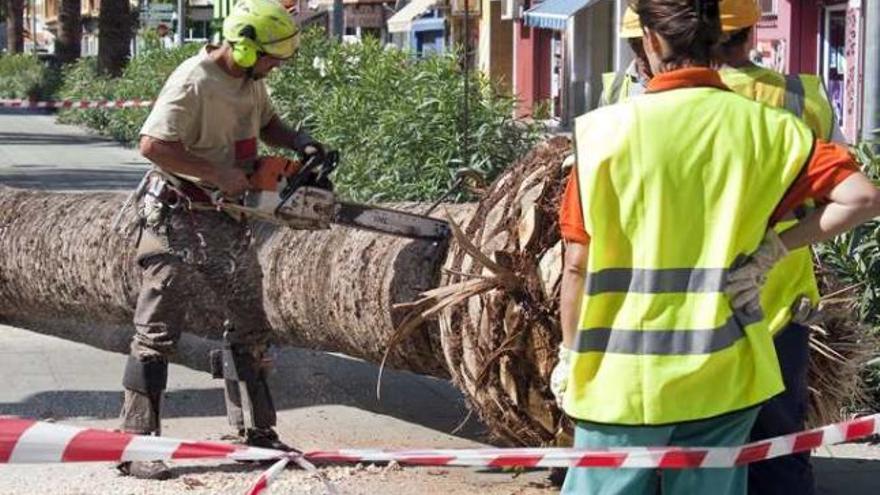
<point>216,116</point>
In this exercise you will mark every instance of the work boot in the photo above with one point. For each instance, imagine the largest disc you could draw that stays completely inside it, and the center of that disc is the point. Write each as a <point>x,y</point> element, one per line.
<point>265,438</point>
<point>145,470</point>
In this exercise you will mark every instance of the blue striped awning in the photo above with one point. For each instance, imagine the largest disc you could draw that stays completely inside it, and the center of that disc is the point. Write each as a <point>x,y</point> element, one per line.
<point>554,14</point>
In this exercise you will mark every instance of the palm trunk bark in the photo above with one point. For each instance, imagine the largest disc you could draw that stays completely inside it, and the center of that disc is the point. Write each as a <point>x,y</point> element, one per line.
<point>14,26</point>
<point>69,44</point>
<point>115,31</point>
<point>64,271</point>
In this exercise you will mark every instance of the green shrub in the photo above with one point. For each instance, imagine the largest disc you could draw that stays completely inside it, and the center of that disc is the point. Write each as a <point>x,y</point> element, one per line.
<point>396,120</point>
<point>24,76</point>
<point>80,81</point>
<point>855,258</point>
<point>143,78</point>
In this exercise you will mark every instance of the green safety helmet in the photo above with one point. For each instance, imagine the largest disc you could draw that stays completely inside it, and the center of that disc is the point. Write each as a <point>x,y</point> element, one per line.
<point>257,27</point>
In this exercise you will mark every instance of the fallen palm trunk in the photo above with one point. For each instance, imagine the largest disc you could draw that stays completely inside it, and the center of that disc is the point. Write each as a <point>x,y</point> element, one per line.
<point>63,271</point>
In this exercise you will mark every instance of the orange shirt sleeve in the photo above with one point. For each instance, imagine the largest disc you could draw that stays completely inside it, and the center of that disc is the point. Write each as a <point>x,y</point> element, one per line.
<point>571,218</point>
<point>830,165</point>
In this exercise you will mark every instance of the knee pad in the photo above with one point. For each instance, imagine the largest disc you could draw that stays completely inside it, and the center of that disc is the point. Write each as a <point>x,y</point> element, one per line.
<point>147,377</point>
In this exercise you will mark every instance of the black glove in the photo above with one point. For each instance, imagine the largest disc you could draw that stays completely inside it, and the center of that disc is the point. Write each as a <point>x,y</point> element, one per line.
<point>309,148</point>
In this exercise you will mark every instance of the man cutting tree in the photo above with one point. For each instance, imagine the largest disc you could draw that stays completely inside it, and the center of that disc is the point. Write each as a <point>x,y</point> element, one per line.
<point>202,134</point>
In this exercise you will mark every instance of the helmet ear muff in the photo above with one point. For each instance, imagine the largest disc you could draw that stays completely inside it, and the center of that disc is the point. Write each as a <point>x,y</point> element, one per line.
<point>245,51</point>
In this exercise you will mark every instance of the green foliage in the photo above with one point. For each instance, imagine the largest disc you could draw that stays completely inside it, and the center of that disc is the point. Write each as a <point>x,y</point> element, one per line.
<point>80,81</point>
<point>25,76</point>
<point>143,78</point>
<point>396,120</point>
<point>854,258</point>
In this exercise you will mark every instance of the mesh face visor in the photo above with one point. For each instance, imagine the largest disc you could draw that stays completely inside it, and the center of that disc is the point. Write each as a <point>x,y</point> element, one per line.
<point>282,48</point>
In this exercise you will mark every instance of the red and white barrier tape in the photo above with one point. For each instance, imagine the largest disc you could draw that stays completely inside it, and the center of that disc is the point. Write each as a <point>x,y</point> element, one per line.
<point>79,104</point>
<point>631,457</point>
<point>29,441</point>
<point>268,476</point>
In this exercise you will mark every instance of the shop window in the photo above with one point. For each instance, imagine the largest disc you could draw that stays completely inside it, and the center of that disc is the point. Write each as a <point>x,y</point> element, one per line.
<point>429,42</point>
<point>834,63</point>
<point>769,8</point>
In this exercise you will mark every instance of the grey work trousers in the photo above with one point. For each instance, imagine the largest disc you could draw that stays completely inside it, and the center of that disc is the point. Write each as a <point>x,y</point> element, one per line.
<point>200,270</point>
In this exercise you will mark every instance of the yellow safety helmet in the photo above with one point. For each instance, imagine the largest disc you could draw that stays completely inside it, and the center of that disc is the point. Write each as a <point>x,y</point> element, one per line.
<point>739,14</point>
<point>630,25</point>
<point>256,27</point>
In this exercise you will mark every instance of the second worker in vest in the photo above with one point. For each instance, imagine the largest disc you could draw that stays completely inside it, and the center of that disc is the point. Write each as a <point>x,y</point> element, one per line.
<point>669,203</point>
<point>792,281</point>
<point>618,86</point>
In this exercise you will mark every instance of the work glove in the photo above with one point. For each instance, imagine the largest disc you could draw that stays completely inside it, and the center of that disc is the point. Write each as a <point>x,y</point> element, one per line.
<point>559,375</point>
<point>744,282</point>
<point>308,147</point>
<point>805,313</point>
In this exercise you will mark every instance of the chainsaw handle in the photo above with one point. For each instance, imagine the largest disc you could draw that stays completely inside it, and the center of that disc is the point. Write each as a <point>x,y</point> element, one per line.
<point>331,160</point>
<point>307,174</point>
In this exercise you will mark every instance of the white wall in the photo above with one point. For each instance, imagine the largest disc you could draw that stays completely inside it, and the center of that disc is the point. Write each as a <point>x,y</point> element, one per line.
<point>590,41</point>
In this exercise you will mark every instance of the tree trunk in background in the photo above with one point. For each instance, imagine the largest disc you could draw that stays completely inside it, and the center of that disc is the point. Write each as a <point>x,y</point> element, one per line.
<point>115,32</point>
<point>68,46</point>
<point>14,26</point>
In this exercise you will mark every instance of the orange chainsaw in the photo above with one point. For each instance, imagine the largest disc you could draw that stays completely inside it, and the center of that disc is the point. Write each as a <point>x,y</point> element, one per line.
<point>300,195</point>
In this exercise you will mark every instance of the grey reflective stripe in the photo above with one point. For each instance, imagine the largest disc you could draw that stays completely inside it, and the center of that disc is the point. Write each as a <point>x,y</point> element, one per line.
<point>665,342</point>
<point>645,281</point>
<point>794,94</point>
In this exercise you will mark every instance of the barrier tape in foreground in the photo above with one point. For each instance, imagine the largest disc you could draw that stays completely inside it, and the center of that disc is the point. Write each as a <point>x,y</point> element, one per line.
<point>632,457</point>
<point>80,104</point>
<point>30,441</point>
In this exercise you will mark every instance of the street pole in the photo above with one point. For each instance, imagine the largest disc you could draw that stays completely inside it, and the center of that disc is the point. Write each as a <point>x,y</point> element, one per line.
<point>871,118</point>
<point>466,46</point>
<point>338,19</point>
<point>181,22</point>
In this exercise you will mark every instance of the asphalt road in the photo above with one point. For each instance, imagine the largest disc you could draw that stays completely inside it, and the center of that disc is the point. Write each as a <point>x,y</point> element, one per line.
<point>37,153</point>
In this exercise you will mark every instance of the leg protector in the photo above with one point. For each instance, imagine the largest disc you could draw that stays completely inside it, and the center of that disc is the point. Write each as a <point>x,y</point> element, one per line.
<point>149,377</point>
<point>248,401</point>
<point>141,413</point>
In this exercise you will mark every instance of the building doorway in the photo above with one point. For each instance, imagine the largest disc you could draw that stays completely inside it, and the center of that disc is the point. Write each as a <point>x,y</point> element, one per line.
<point>833,58</point>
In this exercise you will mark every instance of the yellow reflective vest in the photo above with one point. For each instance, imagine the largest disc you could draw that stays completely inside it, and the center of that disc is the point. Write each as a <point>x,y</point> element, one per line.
<point>803,95</point>
<point>620,86</point>
<point>675,187</point>
<point>793,278</point>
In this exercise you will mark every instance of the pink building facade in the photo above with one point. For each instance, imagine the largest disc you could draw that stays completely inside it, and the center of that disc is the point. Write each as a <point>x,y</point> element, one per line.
<point>823,37</point>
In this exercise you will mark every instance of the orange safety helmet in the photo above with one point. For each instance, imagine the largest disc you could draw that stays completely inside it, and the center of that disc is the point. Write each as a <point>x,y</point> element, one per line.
<point>630,25</point>
<point>739,14</point>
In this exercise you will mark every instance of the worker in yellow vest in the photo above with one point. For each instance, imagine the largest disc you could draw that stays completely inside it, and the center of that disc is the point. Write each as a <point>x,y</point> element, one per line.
<point>666,332</point>
<point>791,290</point>
<point>618,86</point>
<point>803,95</point>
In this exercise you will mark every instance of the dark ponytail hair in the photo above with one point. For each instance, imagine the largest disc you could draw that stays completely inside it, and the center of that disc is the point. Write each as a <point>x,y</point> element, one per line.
<point>691,28</point>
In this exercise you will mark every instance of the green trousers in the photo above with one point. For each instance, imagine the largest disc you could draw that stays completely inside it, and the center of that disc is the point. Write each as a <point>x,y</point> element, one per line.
<point>722,431</point>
